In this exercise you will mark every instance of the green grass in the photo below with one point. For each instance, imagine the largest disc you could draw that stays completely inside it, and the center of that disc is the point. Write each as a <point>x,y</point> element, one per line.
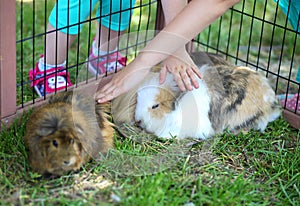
<point>247,169</point>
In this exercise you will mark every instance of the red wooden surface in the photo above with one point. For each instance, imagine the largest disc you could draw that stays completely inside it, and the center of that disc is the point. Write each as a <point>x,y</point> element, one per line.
<point>292,118</point>
<point>7,58</point>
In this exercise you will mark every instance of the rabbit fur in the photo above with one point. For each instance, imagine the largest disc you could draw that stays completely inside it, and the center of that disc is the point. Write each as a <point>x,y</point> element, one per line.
<point>123,106</point>
<point>228,97</point>
<point>67,132</point>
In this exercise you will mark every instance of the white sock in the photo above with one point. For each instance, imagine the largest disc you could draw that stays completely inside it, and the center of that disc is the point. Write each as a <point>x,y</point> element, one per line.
<point>43,66</point>
<point>97,52</point>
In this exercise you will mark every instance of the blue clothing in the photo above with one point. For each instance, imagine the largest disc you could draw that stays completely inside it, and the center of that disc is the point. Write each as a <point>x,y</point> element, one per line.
<point>292,9</point>
<point>114,14</point>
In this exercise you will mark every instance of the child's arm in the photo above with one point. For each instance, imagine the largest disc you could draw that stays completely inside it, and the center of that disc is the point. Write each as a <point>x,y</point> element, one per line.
<point>195,17</point>
<point>179,63</point>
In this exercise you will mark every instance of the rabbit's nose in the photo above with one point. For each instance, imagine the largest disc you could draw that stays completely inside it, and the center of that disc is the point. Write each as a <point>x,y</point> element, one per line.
<point>138,122</point>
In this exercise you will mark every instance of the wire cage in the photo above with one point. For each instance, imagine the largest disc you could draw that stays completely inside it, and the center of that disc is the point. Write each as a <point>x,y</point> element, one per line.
<point>261,34</point>
<point>28,31</point>
<point>32,33</point>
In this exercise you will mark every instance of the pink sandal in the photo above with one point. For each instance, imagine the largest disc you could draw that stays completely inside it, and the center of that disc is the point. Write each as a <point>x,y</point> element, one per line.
<point>56,79</point>
<point>292,103</point>
<point>109,63</point>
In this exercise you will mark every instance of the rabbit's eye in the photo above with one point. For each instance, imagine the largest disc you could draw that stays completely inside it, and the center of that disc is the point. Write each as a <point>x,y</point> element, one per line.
<point>55,144</point>
<point>155,106</point>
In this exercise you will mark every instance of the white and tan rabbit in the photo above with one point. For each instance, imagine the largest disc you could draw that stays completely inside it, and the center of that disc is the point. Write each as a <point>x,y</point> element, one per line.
<point>67,132</point>
<point>228,97</point>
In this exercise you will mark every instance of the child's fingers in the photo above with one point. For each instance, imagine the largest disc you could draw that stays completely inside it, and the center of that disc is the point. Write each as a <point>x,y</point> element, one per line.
<point>193,77</point>
<point>163,74</point>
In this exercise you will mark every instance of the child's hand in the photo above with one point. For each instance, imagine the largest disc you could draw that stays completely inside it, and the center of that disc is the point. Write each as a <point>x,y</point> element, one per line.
<point>183,69</point>
<point>122,81</point>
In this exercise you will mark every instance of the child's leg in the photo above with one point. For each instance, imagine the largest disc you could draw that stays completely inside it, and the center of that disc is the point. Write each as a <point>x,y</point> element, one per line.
<point>64,25</point>
<point>57,55</point>
<point>116,15</point>
<point>65,17</point>
<point>108,39</point>
<point>111,26</point>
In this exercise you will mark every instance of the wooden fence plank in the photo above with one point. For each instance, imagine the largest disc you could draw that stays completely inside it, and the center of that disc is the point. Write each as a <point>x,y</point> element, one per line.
<point>7,58</point>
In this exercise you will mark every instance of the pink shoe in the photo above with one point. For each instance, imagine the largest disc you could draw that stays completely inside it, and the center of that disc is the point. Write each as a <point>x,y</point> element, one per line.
<point>56,79</point>
<point>292,103</point>
<point>106,64</point>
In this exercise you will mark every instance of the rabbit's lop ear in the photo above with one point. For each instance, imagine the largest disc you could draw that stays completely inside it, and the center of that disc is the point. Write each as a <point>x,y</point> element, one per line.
<point>177,99</point>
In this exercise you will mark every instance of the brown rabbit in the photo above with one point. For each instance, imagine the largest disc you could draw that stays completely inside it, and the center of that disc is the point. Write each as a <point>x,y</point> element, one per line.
<point>67,132</point>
